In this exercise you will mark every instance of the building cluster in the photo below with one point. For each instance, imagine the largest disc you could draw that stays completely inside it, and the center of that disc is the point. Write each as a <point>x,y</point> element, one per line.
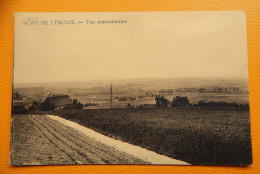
<point>200,90</point>
<point>169,92</point>
<point>208,90</point>
<point>125,98</point>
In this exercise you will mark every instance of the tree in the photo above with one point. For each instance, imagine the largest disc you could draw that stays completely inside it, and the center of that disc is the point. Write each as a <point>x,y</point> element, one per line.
<point>180,101</point>
<point>77,104</point>
<point>17,96</point>
<point>47,106</point>
<point>161,101</point>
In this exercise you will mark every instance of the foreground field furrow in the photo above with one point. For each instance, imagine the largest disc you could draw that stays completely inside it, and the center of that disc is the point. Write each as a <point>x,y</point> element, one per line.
<point>82,155</point>
<point>74,141</point>
<point>40,140</point>
<point>74,155</point>
<point>31,147</point>
<point>86,143</point>
<point>57,145</point>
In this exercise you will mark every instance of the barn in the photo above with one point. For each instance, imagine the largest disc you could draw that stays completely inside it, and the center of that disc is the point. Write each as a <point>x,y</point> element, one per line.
<point>57,102</point>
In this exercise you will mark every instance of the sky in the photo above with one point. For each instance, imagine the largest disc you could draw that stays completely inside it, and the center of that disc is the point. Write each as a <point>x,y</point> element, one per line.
<point>148,45</point>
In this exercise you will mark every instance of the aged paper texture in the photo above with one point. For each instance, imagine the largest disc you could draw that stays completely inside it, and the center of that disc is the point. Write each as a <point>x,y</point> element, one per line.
<point>168,88</point>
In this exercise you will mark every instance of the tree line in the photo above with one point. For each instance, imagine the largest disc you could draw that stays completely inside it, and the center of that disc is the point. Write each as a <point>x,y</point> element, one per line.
<point>179,101</point>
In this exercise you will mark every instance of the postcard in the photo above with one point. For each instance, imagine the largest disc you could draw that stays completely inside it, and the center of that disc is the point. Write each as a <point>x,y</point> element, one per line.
<point>151,88</point>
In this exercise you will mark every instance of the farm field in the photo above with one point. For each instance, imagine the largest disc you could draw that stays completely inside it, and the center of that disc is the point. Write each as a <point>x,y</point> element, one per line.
<point>199,137</point>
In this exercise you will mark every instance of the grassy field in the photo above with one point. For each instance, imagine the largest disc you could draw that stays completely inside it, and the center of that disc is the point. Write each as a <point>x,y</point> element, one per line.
<point>199,137</point>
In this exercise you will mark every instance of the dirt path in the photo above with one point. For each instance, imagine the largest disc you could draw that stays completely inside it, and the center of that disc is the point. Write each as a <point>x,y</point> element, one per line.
<point>40,140</point>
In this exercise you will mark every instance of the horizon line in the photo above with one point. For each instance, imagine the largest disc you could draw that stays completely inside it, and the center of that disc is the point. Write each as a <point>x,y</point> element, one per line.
<point>125,79</point>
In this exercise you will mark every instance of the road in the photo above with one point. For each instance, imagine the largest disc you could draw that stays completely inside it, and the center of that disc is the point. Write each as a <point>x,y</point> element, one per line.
<point>40,140</point>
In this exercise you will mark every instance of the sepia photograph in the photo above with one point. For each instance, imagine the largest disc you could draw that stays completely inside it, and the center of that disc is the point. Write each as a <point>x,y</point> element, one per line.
<point>130,88</point>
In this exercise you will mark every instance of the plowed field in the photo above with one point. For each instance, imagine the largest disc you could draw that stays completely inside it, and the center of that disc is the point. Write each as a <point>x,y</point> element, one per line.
<point>39,140</point>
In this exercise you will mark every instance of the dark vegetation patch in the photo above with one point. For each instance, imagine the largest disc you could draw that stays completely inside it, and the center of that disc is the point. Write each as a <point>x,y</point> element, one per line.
<point>199,137</point>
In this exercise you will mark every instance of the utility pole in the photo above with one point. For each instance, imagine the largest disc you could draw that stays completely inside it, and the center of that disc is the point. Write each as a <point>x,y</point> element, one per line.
<point>111,97</point>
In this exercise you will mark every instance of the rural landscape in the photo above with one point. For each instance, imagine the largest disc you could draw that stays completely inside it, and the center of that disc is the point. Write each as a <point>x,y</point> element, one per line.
<point>199,121</point>
<point>162,88</point>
